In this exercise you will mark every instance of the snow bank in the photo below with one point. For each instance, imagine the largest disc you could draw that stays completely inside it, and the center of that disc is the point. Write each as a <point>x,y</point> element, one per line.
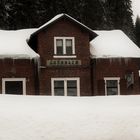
<point>13,44</point>
<point>113,44</point>
<point>69,118</point>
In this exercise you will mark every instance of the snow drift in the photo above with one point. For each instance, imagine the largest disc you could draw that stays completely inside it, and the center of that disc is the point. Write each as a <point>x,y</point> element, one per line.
<point>69,118</point>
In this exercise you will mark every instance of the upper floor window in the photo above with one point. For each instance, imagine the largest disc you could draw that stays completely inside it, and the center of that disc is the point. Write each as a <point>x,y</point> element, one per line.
<point>64,46</point>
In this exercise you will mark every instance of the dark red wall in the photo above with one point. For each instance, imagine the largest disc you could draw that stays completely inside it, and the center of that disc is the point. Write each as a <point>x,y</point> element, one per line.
<point>19,68</point>
<point>116,68</point>
<point>64,28</point>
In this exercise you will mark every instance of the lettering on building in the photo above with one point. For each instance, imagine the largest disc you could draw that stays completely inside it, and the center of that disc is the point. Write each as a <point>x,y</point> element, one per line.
<point>63,62</point>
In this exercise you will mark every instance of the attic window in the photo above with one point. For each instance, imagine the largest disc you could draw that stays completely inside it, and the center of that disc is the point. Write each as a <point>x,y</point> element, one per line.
<point>64,47</point>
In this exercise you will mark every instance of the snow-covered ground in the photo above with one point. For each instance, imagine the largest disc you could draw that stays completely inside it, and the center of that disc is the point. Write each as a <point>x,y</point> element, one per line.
<point>69,118</point>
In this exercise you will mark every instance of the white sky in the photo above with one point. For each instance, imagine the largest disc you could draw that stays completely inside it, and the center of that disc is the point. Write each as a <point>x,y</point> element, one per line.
<point>136,8</point>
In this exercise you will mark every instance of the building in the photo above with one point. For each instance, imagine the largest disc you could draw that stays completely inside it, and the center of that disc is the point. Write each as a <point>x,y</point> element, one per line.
<point>66,58</point>
<point>116,64</point>
<point>17,63</point>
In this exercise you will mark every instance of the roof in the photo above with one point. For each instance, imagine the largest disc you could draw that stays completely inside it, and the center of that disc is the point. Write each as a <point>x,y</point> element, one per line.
<point>63,15</point>
<point>113,44</point>
<point>13,44</point>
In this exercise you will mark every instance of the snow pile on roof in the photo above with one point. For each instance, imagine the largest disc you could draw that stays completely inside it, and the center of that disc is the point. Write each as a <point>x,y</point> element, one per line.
<point>112,44</point>
<point>69,118</point>
<point>13,44</point>
<point>60,16</point>
<point>51,21</point>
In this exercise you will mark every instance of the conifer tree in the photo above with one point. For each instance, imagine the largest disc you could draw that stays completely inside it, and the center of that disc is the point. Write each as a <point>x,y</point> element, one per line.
<point>137,30</point>
<point>121,13</point>
<point>97,14</point>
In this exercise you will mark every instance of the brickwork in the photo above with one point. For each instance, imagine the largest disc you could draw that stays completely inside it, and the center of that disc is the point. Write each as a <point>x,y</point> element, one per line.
<point>90,72</point>
<point>116,68</point>
<point>64,28</point>
<point>19,69</point>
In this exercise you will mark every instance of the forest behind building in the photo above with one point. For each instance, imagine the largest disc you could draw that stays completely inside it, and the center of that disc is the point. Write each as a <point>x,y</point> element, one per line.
<point>96,14</point>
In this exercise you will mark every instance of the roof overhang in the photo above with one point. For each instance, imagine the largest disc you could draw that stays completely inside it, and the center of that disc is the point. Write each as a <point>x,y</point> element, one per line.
<point>92,34</point>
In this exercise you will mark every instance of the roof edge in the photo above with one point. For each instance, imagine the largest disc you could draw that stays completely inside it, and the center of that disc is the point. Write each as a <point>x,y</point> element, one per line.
<point>60,16</point>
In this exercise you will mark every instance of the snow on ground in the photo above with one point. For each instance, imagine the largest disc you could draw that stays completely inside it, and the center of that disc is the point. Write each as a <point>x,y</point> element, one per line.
<point>113,44</point>
<point>13,44</point>
<point>69,118</point>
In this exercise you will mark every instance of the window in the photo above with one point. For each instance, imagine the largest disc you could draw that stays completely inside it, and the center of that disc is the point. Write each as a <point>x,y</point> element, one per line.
<point>65,87</point>
<point>71,88</point>
<point>64,47</point>
<point>112,86</point>
<point>15,86</point>
<point>59,46</point>
<point>69,47</point>
<point>59,88</point>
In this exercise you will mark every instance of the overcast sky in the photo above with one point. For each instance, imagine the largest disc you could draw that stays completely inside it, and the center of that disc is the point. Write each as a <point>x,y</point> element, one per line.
<point>136,8</point>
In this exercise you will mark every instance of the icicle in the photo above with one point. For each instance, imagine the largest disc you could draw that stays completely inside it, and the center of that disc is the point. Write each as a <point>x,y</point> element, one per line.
<point>126,60</point>
<point>13,68</point>
<point>13,62</point>
<point>120,60</point>
<point>36,61</point>
<point>110,60</point>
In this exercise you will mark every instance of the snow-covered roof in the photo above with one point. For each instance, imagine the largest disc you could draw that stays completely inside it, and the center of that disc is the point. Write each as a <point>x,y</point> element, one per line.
<point>59,16</point>
<point>113,44</point>
<point>13,44</point>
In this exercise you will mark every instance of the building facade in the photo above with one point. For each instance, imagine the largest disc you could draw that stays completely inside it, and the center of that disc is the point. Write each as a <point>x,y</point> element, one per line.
<point>65,66</point>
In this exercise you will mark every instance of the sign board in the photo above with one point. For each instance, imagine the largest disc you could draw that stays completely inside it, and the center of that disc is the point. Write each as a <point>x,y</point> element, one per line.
<point>129,79</point>
<point>63,62</point>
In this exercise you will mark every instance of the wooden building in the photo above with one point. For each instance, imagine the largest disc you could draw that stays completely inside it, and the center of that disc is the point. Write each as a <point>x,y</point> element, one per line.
<point>66,58</point>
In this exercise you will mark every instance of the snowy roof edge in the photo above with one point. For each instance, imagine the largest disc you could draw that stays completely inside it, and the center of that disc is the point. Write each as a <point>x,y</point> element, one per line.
<point>17,45</point>
<point>59,16</point>
<point>129,49</point>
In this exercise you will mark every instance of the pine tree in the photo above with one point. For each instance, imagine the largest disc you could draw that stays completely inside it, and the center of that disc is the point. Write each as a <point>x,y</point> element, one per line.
<point>121,13</point>
<point>137,30</point>
<point>5,7</point>
<point>93,14</point>
<point>22,14</point>
<point>97,14</point>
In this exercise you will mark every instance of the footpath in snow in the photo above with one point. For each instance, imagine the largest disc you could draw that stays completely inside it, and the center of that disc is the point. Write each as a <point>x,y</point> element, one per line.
<point>69,118</point>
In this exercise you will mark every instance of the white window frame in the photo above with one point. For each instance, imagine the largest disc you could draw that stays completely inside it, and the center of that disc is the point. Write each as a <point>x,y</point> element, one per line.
<point>65,84</point>
<point>139,72</point>
<point>64,48</point>
<point>23,80</point>
<point>112,78</point>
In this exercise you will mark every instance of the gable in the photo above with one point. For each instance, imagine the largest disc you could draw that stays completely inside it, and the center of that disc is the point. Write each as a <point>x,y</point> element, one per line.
<point>63,27</point>
<point>68,18</point>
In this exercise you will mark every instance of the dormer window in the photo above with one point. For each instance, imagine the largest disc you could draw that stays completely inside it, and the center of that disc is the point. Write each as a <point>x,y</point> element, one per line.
<point>64,47</point>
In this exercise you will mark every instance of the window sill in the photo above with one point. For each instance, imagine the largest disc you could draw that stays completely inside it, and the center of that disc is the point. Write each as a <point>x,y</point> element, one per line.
<point>64,56</point>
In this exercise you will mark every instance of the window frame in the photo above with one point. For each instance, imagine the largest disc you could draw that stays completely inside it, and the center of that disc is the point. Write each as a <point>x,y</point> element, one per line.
<point>64,55</point>
<point>112,78</point>
<point>23,80</point>
<point>77,79</point>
